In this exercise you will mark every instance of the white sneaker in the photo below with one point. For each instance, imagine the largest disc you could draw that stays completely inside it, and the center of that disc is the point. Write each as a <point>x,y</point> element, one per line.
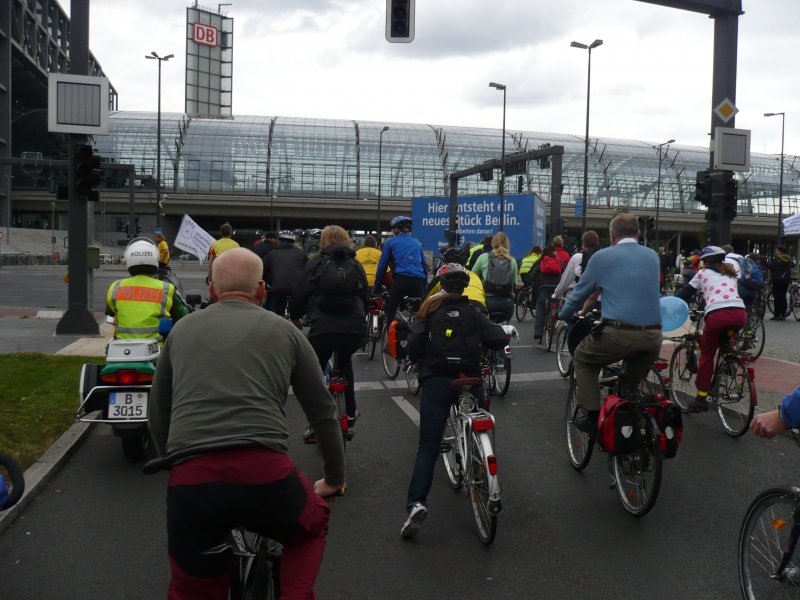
<point>415,518</point>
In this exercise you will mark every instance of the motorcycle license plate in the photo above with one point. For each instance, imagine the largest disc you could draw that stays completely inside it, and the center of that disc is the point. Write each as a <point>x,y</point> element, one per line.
<point>127,405</point>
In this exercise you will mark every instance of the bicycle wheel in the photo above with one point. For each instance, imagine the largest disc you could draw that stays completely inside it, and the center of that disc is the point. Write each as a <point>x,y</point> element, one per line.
<point>550,326</point>
<point>563,357</point>
<point>546,333</point>
<point>795,303</point>
<point>637,476</point>
<point>485,518</point>
<point>765,533</point>
<point>390,364</point>
<point>682,368</point>
<point>734,393</point>
<point>501,376</point>
<point>263,576</point>
<point>579,444</point>
<point>521,304</point>
<point>760,305</point>
<point>751,339</point>
<point>450,454</point>
<point>771,303</point>
<point>653,384</point>
<point>412,379</point>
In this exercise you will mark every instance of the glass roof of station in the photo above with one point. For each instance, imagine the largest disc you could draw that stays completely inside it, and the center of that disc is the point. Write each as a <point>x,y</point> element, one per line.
<point>302,157</point>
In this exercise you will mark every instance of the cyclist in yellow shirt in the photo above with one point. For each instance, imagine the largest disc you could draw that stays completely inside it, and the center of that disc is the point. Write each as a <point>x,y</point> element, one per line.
<point>473,291</point>
<point>369,256</point>
<point>221,245</point>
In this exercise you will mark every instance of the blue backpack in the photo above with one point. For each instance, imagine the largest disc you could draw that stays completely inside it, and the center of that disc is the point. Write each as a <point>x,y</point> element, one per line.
<point>750,275</point>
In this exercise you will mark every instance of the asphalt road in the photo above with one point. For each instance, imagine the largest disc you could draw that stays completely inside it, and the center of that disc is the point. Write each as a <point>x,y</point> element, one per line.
<point>98,529</point>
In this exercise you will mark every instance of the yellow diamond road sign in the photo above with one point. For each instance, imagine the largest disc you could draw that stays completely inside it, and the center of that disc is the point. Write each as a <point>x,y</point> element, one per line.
<point>726,110</point>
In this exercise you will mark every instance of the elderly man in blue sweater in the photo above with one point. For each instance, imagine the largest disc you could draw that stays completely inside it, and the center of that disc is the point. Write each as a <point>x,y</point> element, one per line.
<point>628,276</point>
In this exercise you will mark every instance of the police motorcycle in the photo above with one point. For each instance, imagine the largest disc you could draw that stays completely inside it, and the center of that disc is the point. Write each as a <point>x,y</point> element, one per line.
<point>118,391</point>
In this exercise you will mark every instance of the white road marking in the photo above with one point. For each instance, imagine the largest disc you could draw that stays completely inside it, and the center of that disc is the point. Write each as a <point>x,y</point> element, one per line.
<point>406,407</point>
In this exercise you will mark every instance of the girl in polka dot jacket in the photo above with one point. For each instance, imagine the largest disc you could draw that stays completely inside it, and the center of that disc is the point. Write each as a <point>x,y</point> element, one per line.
<point>724,309</point>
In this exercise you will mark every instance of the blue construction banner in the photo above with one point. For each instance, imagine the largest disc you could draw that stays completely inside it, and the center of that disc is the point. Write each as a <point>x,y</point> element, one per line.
<point>479,216</point>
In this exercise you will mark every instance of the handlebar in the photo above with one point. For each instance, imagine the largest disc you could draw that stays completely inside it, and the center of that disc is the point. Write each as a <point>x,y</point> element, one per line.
<point>17,481</point>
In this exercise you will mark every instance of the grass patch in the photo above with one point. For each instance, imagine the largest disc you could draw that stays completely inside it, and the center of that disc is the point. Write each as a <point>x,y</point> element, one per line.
<point>38,401</point>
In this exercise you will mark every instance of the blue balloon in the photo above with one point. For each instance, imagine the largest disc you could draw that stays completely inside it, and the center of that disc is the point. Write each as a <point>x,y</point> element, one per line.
<point>674,313</point>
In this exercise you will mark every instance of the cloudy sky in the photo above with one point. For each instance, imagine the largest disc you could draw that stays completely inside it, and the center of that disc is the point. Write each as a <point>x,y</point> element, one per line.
<point>651,79</point>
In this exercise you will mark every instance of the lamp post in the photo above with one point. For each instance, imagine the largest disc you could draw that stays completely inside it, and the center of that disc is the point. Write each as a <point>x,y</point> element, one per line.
<point>53,228</point>
<point>380,173</point>
<point>500,86</point>
<point>658,184</point>
<point>154,56</point>
<point>594,44</point>
<point>780,185</point>
<point>272,203</point>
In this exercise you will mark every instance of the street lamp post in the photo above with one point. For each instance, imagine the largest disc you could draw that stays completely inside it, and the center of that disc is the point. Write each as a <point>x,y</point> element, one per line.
<point>500,86</point>
<point>594,44</point>
<point>154,56</point>
<point>380,173</point>
<point>53,228</point>
<point>658,185</point>
<point>780,185</point>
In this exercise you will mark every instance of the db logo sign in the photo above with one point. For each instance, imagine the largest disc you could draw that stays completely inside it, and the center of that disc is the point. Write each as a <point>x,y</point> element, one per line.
<point>205,34</point>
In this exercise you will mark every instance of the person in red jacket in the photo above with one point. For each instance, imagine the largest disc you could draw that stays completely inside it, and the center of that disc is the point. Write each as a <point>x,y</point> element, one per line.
<point>558,242</point>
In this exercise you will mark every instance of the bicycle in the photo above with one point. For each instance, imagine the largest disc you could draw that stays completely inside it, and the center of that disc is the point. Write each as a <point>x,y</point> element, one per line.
<point>563,355</point>
<point>767,543</point>
<point>337,386</point>
<point>524,302</point>
<point>752,338</point>
<point>391,360</point>
<point>375,320</point>
<point>792,300</point>
<point>733,389</point>
<point>469,459</point>
<point>254,559</point>
<point>412,377</point>
<point>17,480</point>
<point>636,476</point>
<point>550,317</point>
<point>496,364</point>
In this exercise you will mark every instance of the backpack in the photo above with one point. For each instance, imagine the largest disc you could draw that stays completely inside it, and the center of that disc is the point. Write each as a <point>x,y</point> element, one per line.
<point>498,276</point>
<point>336,284</point>
<point>618,426</point>
<point>750,274</point>
<point>454,343</point>
<point>551,265</point>
<point>585,256</point>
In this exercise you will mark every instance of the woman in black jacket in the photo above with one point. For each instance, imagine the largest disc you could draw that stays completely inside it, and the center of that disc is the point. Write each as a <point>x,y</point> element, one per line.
<point>445,321</point>
<point>333,292</point>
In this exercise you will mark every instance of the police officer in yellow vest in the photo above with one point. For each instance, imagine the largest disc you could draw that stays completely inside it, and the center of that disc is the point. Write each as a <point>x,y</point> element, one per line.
<point>139,302</point>
<point>473,291</point>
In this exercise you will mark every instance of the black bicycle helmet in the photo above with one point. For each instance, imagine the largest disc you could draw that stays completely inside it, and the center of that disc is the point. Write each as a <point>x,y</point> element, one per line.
<point>402,222</point>
<point>454,277</point>
<point>455,255</point>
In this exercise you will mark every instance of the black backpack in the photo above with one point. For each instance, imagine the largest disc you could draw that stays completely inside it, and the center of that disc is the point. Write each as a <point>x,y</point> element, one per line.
<point>585,256</point>
<point>453,340</point>
<point>337,284</point>
<point>498,276</point>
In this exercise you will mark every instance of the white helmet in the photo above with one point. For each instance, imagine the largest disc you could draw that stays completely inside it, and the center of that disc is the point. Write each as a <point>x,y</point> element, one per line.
<point>286,235</point>
<point>141,252</point>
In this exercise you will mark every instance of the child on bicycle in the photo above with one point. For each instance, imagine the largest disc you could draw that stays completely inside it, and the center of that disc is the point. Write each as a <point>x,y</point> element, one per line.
<point>446,338</point>
<point>724,309</point>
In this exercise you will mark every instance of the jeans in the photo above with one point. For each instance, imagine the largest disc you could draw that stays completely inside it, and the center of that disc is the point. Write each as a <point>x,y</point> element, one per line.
<point>344,345</point>
<point>436,396</point>
<point>499,304</point>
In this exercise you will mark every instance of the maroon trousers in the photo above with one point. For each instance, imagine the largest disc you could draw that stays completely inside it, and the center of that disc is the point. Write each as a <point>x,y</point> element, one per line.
<point>254,488</point>
<point>715,323</point>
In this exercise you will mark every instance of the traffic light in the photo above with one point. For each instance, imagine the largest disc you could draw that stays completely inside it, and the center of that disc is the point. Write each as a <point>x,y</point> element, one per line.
<point>517,168</point>
<point>400,21</point>
<point>703,188</point>
<point>562,226</point>
<point>87,172</point>
<point>138,227</point>
<point>520,184</point>
<point>544,161</point>
<point>487,174</point>
<point>642,224</point>
<point>730,196</point>
<point>651,223</point>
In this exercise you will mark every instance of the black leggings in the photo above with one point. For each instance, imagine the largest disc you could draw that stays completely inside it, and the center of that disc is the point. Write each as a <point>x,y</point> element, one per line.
<point>402,286</point>
<point>345,345</point>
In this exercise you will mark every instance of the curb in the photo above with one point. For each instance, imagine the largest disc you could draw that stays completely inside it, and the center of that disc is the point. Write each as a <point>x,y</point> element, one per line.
<point>40,473</point>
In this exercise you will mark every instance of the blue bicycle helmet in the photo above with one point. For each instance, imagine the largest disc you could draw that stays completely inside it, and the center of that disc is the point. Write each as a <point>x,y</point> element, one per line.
<point>401,222</point>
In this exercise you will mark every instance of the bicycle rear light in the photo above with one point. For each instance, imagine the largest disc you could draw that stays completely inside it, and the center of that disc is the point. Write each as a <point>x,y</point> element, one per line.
<point>482,425</point>
<point>660,365</point>
<point>127,377</point>
<point>337,387</point>
<point>491,461</point>
<point>751,373</point>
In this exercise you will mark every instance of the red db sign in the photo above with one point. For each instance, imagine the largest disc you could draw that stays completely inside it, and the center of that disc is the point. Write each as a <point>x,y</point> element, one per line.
<point>205,34</point>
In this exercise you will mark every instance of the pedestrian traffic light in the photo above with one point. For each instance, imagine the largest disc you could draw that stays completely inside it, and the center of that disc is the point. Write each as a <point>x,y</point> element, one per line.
<point>400,21</point>
<point>520,184</point>
<point>703,188</point>
<point>87,172</point>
